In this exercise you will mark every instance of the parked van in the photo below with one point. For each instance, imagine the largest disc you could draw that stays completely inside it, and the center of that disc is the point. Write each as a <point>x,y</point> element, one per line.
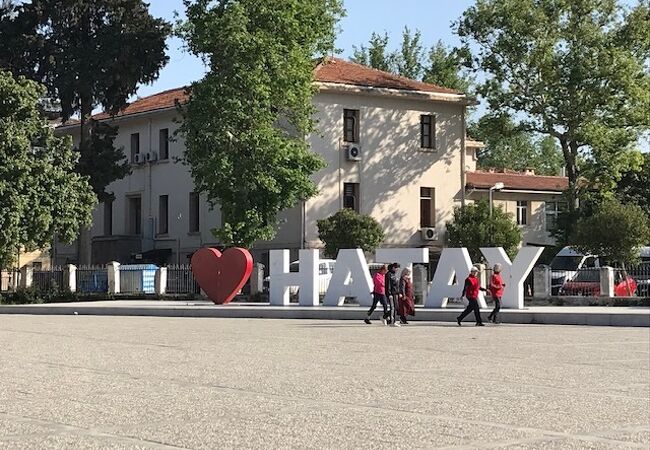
<point>565,266</point>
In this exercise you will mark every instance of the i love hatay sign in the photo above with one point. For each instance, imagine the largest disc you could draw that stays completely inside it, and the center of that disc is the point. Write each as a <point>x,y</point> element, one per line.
<point>221,276</point>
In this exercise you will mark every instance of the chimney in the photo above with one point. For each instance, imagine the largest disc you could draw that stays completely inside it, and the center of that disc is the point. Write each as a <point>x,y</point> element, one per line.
<point>529,171</point>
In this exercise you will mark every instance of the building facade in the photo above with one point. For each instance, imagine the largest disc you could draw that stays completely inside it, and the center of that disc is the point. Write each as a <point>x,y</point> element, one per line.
<point>394,149</point>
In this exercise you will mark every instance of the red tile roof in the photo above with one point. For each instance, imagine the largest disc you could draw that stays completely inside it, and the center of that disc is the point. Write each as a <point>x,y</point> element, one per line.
<point>340,71</point>
<point>516,181</point>
<point>330,70</point>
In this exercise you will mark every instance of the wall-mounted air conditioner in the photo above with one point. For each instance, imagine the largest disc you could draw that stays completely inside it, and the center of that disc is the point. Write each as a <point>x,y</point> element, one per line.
<point>353,153</point>
<point>152,156</point>
<point>429,234</point>
<point>139,158</point>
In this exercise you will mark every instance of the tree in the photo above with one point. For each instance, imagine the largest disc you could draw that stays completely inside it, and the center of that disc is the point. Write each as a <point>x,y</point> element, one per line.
<point>376,55</point>
<point>507,147</point>
<point>245,122</point>
<point>634,186</point>
<point>87,53</point>
<point>445,68</point>
<point>39,193</point>
<point>348,229</point>
<point>473,228</point>
<point>441,66</point>
<point>570,69</point>
<point>409,56</point>
<point>614,231</point>
<point>99,160</point>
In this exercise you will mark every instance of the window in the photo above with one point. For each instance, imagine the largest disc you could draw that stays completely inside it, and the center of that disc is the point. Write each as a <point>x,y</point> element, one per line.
<point>351,196</point>
<point>427,131</point>
<point>322,269</point>
<point>163,143</point>
<point>135,145</point>
<point>135,215</point>
<point>351,125</point>
<point>427,207</point>
<point>194,212</point>
<point>163,216</point>
<point>552,211</point>
<point>522,212</point>
<point>108,217</point>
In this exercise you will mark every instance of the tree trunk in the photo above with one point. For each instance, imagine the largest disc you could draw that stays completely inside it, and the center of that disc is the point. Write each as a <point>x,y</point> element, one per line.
<point>570,151</point>
<point>84,241</point>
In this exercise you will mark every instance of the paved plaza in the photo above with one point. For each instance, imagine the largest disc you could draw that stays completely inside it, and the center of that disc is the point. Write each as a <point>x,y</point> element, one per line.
<point>169,383</point>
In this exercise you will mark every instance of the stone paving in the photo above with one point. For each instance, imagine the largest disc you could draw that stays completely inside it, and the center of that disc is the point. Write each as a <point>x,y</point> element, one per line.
<point>169,383</point>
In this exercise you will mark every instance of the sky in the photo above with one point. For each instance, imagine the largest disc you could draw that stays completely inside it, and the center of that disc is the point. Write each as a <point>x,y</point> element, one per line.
<point>432,17</point>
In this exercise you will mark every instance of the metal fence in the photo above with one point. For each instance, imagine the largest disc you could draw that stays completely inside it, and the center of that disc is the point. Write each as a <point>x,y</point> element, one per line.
<point>9,280</point>
<point>49,280</point>
<point>641,275</point>
<point>181,281</point>
<point>92,279</point>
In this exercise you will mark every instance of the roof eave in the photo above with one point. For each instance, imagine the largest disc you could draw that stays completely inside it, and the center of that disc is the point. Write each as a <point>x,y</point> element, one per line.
<point>119,118</point>
<point>460,98</point>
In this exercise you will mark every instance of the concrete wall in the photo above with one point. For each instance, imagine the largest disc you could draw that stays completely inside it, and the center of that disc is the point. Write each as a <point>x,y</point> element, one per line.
<point>393,166</point>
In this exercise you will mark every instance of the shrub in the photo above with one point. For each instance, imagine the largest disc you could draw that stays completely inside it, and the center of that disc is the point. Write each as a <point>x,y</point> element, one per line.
<point>473,228</point>
<point>348,229</point>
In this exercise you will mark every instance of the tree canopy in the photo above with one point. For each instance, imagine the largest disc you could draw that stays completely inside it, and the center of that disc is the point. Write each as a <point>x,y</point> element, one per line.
<point>510,148</point>
<point>574,70</point>
<point>39,192</point>
<point>440,65</point>
<point>87,53</point>
<point>473,227</point>
<point>348,229</point>
<point>614,230</point>
<point>246,121</point>
<point>634,186</point>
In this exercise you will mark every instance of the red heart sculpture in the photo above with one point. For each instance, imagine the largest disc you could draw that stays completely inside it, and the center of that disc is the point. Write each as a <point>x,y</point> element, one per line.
<point>221,275</point>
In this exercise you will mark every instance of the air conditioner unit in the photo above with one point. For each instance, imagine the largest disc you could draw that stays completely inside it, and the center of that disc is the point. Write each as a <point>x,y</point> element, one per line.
<point>353,153</point>
<point>152,156</point>
<point>139,158</point>
<point>429,234</point>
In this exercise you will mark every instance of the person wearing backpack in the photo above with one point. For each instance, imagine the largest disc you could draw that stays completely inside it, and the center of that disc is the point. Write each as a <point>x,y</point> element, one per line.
<point>392,292</point>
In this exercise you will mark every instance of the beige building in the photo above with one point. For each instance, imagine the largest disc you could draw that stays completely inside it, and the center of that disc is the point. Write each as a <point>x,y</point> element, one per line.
<point>533,201</point>
<point>395,149</point>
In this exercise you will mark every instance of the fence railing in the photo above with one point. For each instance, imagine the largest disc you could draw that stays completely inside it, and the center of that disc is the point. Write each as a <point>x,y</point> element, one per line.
<point>48,280</point>
<point>9,280</point>
<point>641,275</point>
<point>92,279</point>
<point>181,281</point>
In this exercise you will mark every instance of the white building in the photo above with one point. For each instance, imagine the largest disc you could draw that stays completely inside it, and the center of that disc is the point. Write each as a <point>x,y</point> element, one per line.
<point>395,149</point>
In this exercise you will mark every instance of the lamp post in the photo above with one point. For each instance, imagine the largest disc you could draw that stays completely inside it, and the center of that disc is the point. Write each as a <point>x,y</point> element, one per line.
<point>497,187</point>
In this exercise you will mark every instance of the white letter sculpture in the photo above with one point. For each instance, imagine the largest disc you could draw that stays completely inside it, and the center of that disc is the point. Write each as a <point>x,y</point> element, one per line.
<point>513,273</point>
<point>405,257</point>
<point>453,262</point>
<point>306,278</point>
<point>351,278</point>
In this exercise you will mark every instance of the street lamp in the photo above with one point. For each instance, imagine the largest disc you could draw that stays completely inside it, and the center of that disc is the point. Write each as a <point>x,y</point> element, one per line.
<point>497,187</point>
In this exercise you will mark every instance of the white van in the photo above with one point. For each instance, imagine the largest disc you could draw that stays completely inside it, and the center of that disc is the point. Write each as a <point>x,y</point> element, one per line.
<point>565,266</point>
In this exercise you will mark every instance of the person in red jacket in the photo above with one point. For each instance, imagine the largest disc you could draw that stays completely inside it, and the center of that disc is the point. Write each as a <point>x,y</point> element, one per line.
<point>379,294</point>
<point>471,291</point>
<point>496,290</point>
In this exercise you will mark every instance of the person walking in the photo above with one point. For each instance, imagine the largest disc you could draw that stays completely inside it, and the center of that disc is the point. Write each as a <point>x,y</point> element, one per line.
<point>406,303</point>
<point>379,294</point>
<point>471,291</point>
<point>496,291</point>
<point>392,292</point>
